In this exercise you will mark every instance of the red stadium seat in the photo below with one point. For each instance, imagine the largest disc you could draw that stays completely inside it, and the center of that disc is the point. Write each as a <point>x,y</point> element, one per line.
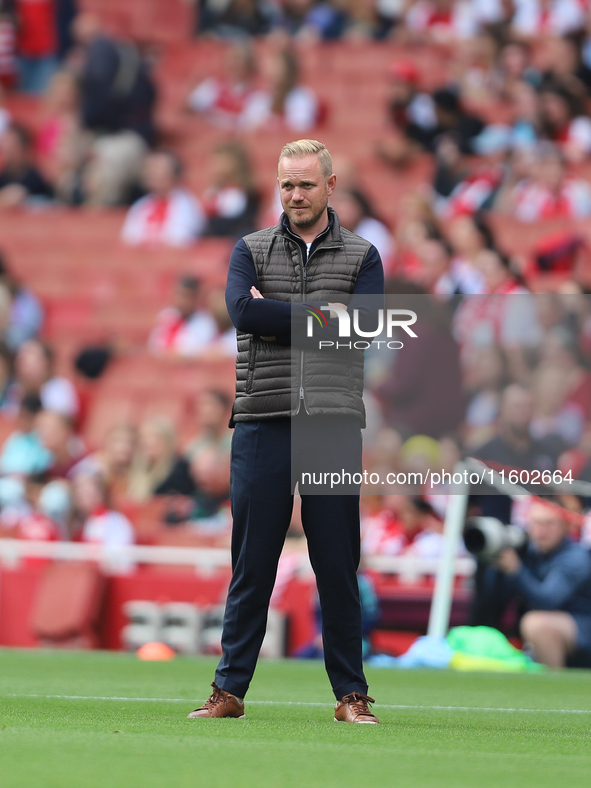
<point>171,406</point>
<point>67,604</point>
<point>68,316</point>
<point>104,414</point>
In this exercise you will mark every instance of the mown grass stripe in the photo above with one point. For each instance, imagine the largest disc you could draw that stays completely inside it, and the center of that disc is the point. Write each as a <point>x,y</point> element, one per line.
<point>400,706</point>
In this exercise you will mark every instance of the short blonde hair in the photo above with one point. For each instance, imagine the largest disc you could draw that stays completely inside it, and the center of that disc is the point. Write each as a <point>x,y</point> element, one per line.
<point>301,148</point>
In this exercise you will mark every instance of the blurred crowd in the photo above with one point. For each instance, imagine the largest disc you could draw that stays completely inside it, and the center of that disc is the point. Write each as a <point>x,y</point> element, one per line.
<point>507,134</point>
<point>438,21</point>
<point>502,377</point>
<point>54,486</point>
<point>99,144</point>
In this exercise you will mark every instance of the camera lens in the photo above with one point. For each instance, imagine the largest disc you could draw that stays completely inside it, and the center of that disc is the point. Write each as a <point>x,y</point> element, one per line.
<point>475,540</point>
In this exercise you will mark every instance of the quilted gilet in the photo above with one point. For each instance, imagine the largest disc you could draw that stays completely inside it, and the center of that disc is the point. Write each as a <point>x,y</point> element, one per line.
<point>274,380</point>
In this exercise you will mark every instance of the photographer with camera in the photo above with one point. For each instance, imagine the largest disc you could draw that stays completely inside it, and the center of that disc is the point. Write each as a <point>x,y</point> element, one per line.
<point>549,577</point>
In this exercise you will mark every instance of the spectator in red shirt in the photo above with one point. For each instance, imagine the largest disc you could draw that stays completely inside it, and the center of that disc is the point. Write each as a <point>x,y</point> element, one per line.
<point>405,525</point>
<point>443,21</point>
<point>37,43</point>
<point>539,18</point>
<point>36,524</point>
<point>169,214</point>
<point>549,192</point>
<point>100,523</point>
<point>475,190</point>
<point>183,329</point>
<point>382,533</point>
<point>227,100</point>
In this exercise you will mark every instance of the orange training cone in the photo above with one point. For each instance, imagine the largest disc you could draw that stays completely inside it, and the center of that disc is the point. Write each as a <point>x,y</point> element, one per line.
<point>155,651</point>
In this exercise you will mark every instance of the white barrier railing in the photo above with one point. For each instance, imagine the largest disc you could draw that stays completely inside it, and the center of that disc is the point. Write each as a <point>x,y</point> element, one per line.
<point>203,559</point>
<point>411,567</point>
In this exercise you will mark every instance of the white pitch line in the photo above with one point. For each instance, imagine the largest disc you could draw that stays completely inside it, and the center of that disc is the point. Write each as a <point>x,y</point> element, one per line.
<point>399,706</point>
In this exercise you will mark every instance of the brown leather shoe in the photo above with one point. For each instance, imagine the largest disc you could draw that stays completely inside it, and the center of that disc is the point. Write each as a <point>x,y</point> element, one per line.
<point>355,708</point>
<point>219,704</point>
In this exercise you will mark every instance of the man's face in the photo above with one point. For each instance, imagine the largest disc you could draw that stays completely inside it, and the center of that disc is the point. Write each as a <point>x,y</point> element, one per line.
<point>185,300</point>
<point>546,528</point>
<point>304,190</point>
<point>159,175</point>
<point>517,409</point>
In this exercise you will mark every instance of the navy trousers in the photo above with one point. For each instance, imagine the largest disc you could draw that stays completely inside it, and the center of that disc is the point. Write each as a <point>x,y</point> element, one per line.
<point>262,484</point>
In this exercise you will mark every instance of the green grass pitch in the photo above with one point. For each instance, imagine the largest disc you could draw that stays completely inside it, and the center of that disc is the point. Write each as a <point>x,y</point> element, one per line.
<point>94,720</point>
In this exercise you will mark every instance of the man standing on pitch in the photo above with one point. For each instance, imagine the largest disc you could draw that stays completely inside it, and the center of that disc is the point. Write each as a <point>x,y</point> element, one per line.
<point>306,258</point>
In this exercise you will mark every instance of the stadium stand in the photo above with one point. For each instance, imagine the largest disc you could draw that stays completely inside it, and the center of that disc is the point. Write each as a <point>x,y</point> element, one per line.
<point>67,604</point>
<point>98,293</point>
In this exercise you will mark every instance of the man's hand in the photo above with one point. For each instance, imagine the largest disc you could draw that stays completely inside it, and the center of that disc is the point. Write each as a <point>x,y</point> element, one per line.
<point>332,313</point>
<point>508,561</point>
<point>257,294</point>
